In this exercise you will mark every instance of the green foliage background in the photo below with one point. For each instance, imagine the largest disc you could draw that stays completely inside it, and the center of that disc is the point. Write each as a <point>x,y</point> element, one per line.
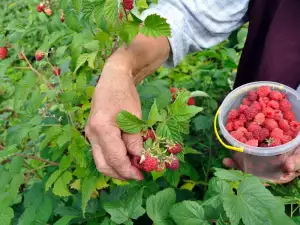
<point>47,175</point>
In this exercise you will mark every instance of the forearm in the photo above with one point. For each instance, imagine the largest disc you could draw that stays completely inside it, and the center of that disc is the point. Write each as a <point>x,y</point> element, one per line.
<point>142,57</point>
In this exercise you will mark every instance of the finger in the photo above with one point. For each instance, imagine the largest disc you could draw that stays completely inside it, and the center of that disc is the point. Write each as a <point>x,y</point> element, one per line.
<point>229,163</point>
<point>288,177</point>
<point>292,164</point>
<point>115,153</point>
<point>133,143</point>
<point>101,163</point>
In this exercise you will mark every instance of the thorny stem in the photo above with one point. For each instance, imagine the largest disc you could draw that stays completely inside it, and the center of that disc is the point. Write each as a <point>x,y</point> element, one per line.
<point>38,168</point>
<point>37,158</point>
<point>35,71</point>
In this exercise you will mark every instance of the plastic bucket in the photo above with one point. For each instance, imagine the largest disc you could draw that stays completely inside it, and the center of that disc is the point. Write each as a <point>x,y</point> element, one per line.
<point>266,163</point>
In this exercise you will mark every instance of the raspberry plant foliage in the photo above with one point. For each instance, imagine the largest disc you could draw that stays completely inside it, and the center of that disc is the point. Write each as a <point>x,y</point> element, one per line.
<point>46,169</point>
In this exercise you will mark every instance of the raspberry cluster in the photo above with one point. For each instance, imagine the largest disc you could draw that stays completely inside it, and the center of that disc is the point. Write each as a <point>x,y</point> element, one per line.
<point>161,155</point>
<point>45,8</point>
<point>264,119</point>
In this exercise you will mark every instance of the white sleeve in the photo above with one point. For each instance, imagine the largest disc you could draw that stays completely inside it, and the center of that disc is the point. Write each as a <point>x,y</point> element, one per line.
<point>198,24</point>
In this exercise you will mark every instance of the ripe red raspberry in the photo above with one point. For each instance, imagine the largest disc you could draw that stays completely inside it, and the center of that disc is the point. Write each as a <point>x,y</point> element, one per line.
<point>39,55</point>
<point>256,105</point>
<point>48,11</point>
<point>260,118</point>
<point>276,95</point>
<point>173,91</point>
<point>242,118</point>
<point>237,135</point>
<point>260,134</point>
<point>56,71</point>
<point>233,114</point>
<point>191,101</point>
<point>149,135</point>
<point>285,105</point>
<point>277,133</point>
<point>248,135</point>
<point>237,124</point>
<point>273,104</point>
<point>289,115</point>
<point>295,126</point>
<point>252,95</point>
<point>285,139</point>
<point>229,126</point>
<point>3,52</point>
<point>251,113</point>
<point>135,161</point>
<point>284,95</point>
<point>273,142</point>
<point>128,4</point>
<point>278,115</point>
<point>149,164</point>
<point>246,101</point>
<point>175,149</point>
<point>243,140</point>
<point>263,91</point>
<point>40,7</point>
<point>252,142</point>
<point>290,133</point>
<point>269,112</point>
<point>242,130</point>
<point>242,108</point>
<point>253,126</point>
<point>270,124</point>
<point>174,165</point>
<point>284,125</point>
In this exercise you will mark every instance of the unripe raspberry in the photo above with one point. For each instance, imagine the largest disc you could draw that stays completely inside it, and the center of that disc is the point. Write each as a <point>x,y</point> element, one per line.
<point>48,11</point>
<point>56,71</point>
<point>39,55</point>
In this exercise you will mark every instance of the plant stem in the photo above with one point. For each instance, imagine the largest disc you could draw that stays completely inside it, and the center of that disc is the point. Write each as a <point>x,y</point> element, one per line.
<point>37,158</point>
<point>35,71</point>
<point>126,15</point>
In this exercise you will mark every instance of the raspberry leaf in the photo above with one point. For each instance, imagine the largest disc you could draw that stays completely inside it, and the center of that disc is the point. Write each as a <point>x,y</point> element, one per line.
<point>158,206</point>
<point>154,115</point>
<point>188,213</point>
<point>230,175</point>
<point>155,26</point>
<point>88,186</point>
<point>129,123</point>
<point>64,220</point>
<point>6,214</point>
<point>111,11</point>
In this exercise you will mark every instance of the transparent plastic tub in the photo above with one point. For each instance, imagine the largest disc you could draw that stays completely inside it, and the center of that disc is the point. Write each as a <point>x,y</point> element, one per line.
<point>266,163</point>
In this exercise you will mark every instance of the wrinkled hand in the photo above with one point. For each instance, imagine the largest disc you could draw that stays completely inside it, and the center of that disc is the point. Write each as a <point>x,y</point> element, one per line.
<point>291,166</point>
<point>115,92</point>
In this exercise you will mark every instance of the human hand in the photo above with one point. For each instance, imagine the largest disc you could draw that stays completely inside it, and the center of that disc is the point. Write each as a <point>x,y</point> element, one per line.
<point>290,169</point>
<point>115,92</point>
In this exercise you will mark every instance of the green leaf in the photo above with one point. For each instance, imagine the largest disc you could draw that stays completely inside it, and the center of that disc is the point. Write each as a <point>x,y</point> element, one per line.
<point>141,4</point>
<point>154,115</point>
<point>170,129</point>
<point>71,20</point>
<point>188,213</point>
<point>173,177</point>
<point>129,31</point>
<point>64,220</point>
<point>6,214</point>
<point>65,163</point>
<point>129,123</point>
<point>77,4</point>
<point>189,150</point>
<point>8,152</point>
<point>118,214</point>
<point>199,94</point>
<point>81,60</point>
<point>253,204</point>
<point>107,221</point>
<point>231,175</point>
<point>92,59</point>
<point>54,176</point>
<point>111,11</point>
<point>158,206</point>
<point>184,113</point>
<point>52,133</point>
<point>156,26</point>
<point>65,137</point>
<point>88,186</point>
<point>60,187</point>
<point>92,45</point>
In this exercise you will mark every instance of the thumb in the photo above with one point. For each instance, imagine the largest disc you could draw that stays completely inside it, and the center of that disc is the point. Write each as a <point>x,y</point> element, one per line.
<point>292,164</point>
<point>133,143</point>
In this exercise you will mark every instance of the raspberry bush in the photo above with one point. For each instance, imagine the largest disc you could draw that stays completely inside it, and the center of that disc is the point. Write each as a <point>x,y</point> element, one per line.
<point>51,55</point>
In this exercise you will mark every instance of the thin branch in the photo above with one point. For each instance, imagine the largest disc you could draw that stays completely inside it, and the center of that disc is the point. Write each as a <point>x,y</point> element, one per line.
<point>37,158</point>
<point>126,15</point>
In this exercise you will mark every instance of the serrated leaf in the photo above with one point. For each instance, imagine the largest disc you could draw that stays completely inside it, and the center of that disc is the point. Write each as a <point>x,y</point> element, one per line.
<point>107,221</point>
<point>88,186</point>
<point>154,115</point>
<point>50,135</point>
<point>155,26</point>
<point>189,150</point>
<point>91,59</point>
<point>71,20</point>
<point>60,187</point>
<point>158,205</point>
<point>65,137</point>
<point>129,123</point>
<point>185,113</point>
<point>111,11</point>
<point>6,214</point>
<point>65,163</point>
<point>199,94</point>
<point>54,176</point>
<point>141,4</point>
<point>253,204</point>
<point>129,31</point>
<point>77,4</point>
<point>64,220</point>
<point>8,152</point>
<point>173,177</point>
<point>81,60</point>
<point>170,130</point>
<point>231,175</point>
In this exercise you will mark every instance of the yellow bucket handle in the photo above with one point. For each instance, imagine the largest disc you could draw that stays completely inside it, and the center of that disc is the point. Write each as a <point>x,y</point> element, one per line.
<point>219,138</point>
